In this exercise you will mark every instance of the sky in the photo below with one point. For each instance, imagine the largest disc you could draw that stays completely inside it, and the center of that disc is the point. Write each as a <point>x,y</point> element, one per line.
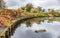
<point>14,4</point>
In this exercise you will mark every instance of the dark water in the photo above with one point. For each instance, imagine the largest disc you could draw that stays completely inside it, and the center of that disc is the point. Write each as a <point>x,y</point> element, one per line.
<point>28,28</point>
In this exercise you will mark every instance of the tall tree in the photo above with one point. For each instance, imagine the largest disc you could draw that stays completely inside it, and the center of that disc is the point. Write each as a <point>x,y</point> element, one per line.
<point>2,4</point>
<point>28,7</point>
<point>39,8</point>
<point>43,10</point>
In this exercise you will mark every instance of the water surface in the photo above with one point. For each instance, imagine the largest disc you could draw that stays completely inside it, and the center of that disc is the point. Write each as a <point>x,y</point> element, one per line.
<point>28,28</point>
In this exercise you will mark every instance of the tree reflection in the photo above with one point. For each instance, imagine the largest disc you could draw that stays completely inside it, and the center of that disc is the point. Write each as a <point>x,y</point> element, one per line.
<point>39,22</point>
<point>28,23</point>
<point>50,19</point>
<point>41,19</point>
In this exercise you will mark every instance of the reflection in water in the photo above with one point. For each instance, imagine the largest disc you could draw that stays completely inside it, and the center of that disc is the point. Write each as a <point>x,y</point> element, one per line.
<point>50,20</point>
<point>28,23</point>
<point>28,28</point>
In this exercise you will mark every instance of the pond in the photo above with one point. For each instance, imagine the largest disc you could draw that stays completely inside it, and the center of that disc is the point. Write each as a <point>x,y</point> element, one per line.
<point>41,27</point>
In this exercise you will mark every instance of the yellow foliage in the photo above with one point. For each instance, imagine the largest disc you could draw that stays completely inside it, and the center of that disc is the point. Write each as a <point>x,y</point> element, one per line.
<point>4,21</point>
<point>19,10</point>
<point>7,23</point>
<point>7,15</point>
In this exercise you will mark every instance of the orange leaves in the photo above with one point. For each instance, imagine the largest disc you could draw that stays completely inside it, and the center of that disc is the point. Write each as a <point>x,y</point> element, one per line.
<point>2,19</point>
<point>19,10</point>
<point>8,15</point>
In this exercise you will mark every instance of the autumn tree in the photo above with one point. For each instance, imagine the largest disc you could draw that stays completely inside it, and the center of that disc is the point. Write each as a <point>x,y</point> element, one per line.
<point>28,7</point>
<point>39,8</point>
<point>33,10</point>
